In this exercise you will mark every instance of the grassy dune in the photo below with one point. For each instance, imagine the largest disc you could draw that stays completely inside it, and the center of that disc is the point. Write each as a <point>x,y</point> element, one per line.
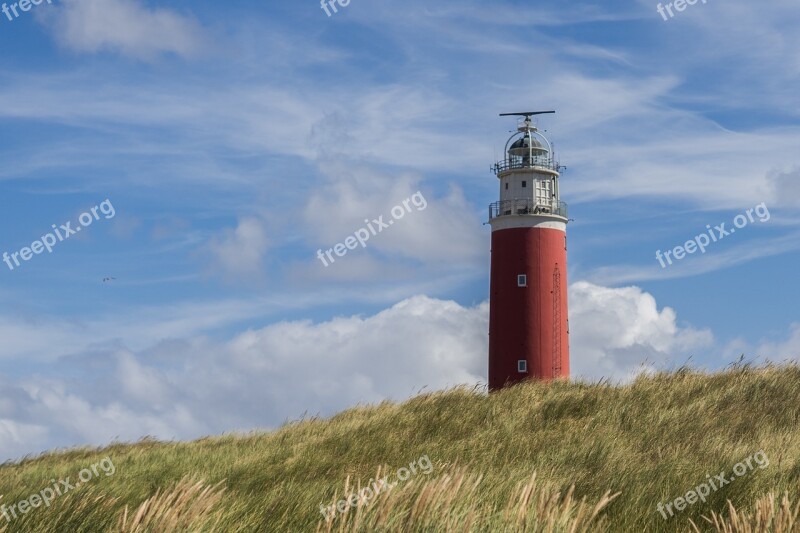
<point>505,462</point>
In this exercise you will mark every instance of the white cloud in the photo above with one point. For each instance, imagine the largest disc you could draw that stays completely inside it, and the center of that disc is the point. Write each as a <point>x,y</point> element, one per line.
<point>259,378</point>
<point>617,332</point>
<point>775,351</point>
<point>436,230</point>
<point>240,252</point>
<point>785,187</point>
<point>781,351</point>
<point>124,26</point>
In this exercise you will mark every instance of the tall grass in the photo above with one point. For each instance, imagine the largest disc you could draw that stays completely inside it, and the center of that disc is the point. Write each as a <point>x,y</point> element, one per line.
<point>189,506</point>
<point>603,457</point>
<point>768,515</point>
<point>457,502</point>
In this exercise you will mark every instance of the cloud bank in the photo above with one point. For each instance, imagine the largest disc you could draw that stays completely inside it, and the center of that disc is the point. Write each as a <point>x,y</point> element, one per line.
<point>183,388</point>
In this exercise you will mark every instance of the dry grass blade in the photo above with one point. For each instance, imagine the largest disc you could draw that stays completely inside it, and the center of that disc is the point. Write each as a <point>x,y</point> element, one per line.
<point>767,517</point>
<point>189,506</point>
<point>453,502</point>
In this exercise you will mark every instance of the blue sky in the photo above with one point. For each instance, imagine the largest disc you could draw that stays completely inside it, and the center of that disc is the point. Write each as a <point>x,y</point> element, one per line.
<point>235,140</point>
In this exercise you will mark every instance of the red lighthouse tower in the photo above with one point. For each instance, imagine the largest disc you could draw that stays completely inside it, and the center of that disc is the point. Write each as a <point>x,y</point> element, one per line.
<point>528,324</point>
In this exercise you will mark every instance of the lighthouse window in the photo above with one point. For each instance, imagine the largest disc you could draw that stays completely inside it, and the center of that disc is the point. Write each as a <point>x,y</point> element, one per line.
<point>522,366</point>
<point>522,280</point>
<point>506,185</point>
<point>524,184</point>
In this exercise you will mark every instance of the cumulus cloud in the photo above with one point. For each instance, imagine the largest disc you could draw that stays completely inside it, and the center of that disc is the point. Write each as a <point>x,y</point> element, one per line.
<point>616,333</point>
<point>124,26</point>
<point>193,387</point>
<point>190,387</point>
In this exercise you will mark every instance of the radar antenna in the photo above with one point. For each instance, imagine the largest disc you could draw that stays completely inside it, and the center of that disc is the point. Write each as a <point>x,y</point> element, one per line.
<point>527,124</point>
<point>527,114</point>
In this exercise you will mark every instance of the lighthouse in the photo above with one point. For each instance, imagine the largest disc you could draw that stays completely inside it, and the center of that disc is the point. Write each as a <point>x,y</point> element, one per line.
<point>528,320</point>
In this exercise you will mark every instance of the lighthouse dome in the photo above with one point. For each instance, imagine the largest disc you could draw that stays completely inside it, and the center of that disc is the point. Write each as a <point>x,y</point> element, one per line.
<point>527,146</point>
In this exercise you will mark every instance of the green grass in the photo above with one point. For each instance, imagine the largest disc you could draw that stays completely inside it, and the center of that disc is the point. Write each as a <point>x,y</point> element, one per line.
<point>651,441</point>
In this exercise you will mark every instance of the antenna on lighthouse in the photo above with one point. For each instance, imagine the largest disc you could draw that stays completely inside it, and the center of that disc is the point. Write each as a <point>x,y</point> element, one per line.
<point>527,123</point>
<point>527,114</point>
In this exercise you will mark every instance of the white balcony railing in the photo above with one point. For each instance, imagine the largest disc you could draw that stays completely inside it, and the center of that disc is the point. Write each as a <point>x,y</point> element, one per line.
<point>527,206</point>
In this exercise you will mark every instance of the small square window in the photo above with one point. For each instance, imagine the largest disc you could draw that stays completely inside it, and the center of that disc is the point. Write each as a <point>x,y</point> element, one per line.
<point>524,184</point>
<point>522,280</point>
<point>522,366</point>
